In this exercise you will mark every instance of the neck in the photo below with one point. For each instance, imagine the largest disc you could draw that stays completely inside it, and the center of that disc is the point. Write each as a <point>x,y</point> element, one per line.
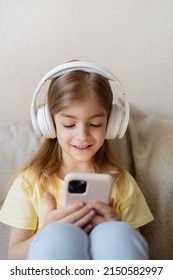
<point>77,168</point>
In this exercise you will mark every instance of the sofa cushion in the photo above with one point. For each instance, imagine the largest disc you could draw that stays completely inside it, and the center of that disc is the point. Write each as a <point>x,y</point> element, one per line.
<point>147,152</point>
<point>17,144</point>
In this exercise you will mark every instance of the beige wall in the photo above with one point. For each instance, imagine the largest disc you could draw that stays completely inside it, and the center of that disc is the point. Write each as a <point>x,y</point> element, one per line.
<point>132,38</point>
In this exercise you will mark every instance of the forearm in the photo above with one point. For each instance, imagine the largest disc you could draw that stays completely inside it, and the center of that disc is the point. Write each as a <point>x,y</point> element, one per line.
<point>19,251</point>
<point>19,243</point>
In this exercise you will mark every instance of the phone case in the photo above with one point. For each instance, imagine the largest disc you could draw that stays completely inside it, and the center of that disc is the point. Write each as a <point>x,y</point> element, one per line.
<point>98,187</point>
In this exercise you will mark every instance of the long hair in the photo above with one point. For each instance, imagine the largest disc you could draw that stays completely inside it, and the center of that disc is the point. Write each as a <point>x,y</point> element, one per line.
<point>62,91</point>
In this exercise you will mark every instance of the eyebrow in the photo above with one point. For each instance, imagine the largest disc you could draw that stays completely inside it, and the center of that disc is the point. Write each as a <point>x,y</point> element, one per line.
<point>91,117</point>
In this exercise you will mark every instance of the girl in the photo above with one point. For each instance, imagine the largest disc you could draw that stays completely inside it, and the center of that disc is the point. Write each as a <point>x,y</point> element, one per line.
<point>79,103</point>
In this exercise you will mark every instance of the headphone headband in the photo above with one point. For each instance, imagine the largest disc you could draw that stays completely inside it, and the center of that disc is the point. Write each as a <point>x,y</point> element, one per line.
<point>72,66</point>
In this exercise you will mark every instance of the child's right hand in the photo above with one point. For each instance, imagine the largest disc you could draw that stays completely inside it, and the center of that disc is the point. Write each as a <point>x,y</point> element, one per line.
<point>77,213</point>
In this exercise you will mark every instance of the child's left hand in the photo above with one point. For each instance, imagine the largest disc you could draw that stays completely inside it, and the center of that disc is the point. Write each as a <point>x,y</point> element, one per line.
<point>104,212</point>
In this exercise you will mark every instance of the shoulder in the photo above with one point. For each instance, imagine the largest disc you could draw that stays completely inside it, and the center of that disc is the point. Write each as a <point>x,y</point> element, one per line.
<point>25,183</point>
<point>24,180</point>
<point>29,181</point>
<point>129,184</point>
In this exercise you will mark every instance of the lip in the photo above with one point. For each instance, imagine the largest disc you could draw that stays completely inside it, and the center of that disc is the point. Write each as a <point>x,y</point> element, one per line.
<point>82,147</point>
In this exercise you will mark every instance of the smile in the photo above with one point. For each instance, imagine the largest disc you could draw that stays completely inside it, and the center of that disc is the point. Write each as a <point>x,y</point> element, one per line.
<point>82,147</point>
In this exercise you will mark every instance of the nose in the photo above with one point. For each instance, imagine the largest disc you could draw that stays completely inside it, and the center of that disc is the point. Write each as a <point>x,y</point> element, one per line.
<point>83,132</point>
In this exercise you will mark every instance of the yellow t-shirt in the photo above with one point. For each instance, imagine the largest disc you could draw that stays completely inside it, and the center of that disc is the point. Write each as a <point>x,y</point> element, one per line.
<point>25,206</point>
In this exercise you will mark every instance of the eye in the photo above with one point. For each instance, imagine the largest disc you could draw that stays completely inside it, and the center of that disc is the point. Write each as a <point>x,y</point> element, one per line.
<point>68,126</point>
<point>96,125</point>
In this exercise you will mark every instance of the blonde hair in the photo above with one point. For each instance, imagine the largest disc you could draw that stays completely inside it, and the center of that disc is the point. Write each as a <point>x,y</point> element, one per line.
<point>62,91</point>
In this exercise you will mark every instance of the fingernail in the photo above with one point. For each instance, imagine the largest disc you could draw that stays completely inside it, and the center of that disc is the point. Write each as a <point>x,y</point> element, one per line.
<point>89,205</point>
<point>81,204</point>
<point>92,212</point>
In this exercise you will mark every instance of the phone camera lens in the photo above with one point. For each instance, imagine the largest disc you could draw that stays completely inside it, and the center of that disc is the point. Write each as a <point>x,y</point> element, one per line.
<point>77,186</point>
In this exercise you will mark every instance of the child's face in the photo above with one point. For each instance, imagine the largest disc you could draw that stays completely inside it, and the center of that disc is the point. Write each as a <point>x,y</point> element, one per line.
<point>81,129</point>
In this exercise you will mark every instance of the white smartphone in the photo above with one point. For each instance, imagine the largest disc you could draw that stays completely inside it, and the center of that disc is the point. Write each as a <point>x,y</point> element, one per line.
<point>86,187</point>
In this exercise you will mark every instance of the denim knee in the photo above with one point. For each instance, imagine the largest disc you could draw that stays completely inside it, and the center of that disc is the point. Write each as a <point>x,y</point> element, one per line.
<point>59,241</point>
<point>117,240</point>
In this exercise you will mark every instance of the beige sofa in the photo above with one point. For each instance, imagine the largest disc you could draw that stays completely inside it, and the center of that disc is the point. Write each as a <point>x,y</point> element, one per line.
<point>146,150</point>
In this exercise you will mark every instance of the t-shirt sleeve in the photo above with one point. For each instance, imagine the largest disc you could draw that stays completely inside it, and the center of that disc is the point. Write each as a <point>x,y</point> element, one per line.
<point>133,207</point>
<point>17,210</point>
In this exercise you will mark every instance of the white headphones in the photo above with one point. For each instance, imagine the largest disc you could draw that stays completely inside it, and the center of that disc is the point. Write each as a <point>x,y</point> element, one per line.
<point>42,120</point>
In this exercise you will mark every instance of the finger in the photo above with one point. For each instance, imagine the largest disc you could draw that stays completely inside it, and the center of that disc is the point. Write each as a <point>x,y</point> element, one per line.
<point>51,201</point>
<point>80,217</point>
<point>68,210</point>
<point>102,209</point>
<point>111,202</point>
<point>86,219</point>
<point>88,228</point>
<point>97,219</point>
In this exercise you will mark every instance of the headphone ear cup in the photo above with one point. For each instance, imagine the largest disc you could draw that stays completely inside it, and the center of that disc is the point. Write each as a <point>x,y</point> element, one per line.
<point>45,122</point>
<point>115,123</point>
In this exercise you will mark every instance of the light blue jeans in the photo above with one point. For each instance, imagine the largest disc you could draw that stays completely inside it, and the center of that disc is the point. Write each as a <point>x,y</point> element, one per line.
<point>107,241</point>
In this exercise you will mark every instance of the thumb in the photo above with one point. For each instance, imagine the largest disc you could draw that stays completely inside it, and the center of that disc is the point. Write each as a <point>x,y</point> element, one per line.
<point>51,201</point>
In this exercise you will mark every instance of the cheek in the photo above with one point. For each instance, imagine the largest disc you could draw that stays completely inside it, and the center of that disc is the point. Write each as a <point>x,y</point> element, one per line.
<point>60,132</point>
<point>104,128</point>
<point>100,135</point>
<point>62,137</point>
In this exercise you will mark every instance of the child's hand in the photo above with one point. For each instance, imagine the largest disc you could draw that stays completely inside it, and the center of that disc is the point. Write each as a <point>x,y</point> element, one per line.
<point>104,212</point>
<point>79,213</point>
